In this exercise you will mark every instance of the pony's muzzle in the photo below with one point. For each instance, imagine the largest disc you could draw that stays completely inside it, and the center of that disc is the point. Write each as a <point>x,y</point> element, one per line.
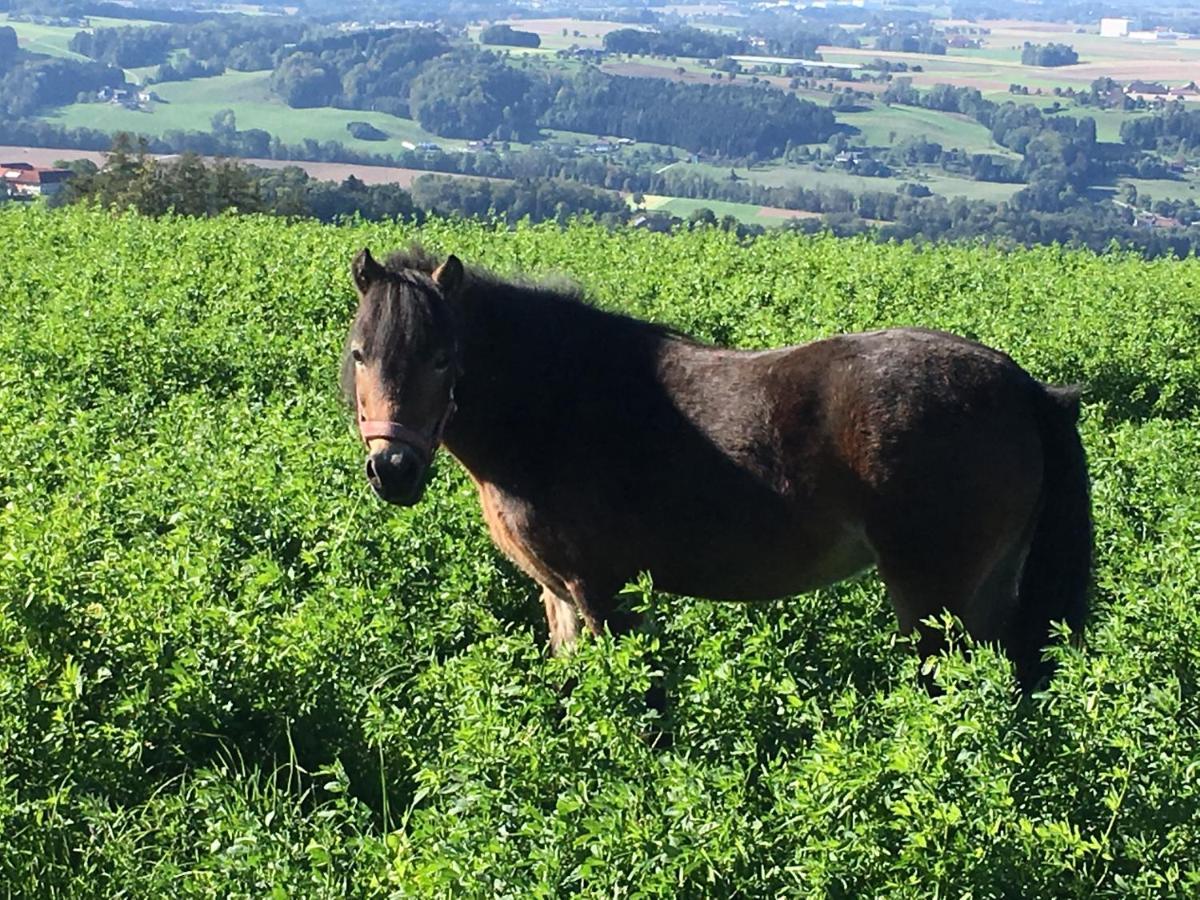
<point>397,474</point>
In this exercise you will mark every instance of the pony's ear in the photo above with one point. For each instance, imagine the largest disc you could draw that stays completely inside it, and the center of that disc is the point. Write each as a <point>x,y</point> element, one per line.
<point>365,270</point>
<point>449,275</point>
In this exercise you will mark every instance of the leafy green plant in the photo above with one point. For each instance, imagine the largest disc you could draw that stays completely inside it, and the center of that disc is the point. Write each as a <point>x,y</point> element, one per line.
<point>226,671</point>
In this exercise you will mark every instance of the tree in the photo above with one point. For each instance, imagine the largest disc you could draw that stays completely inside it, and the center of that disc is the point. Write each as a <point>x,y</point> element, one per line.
<point>1048,55</point>
<point>506,35</point>
<point>303,80</point>
<point>8,47</point>
<point>475,97</point>
<point>224,122</point>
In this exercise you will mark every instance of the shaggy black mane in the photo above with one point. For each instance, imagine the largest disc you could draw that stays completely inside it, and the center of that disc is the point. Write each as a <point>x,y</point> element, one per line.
<point>524,294</point>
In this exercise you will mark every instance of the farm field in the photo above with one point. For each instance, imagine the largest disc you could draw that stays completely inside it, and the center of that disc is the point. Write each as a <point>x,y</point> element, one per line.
<point>225,670</point>
<point>49,39</point>
<point>54,39</point>
<point>989,70</point>
<point>780,175</point>
<point>190,105</point>
<point>767,216</point>
<point>586,33</point>
<point>1165,189</point>
<point>883,126</point>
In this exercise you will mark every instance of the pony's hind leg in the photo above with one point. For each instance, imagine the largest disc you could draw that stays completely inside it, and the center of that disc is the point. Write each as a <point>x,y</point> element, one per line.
<point>985,602</point>
<point>563,620</point>
<point>916,597</point>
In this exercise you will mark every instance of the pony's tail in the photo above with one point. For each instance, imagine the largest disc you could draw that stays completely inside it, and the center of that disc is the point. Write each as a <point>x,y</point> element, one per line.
<point>1058,568</point>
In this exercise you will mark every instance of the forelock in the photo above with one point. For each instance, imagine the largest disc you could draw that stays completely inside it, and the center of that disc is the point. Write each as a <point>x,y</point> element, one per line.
<point>399,313</point>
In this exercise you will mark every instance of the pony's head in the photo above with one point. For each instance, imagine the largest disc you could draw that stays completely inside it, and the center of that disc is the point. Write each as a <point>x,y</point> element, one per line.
<point>400,366</point>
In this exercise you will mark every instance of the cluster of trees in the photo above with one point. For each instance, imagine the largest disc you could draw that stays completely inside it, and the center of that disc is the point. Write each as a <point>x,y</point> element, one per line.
<point>1173,130</point>
<point>30,81</point>
<point>1048,55</point>
<point>1096,226</point>
<point>9,46</point>
<point>127,46</point>
<point>682,41</point>
<point>538,199</point>
<point>132,179</point>
<point>729,122</point>
<point>361,70</point>
<point>186,69</point>
<point>290,191</point>
<point>917,40</point>
<point>365,131</point>
<point>464,93</point>
<point>1054,147</point>
<point>81,9</point>
<point>245,43</point>
<point>188,185</point>
<point>507,36</point>
<point>789,35</point>
<point>476,95</point>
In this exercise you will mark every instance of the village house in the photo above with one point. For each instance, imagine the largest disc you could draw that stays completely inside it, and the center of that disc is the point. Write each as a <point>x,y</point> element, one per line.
<point>1153,91</point>
<point>1188,93</point>
<point>24,179</point>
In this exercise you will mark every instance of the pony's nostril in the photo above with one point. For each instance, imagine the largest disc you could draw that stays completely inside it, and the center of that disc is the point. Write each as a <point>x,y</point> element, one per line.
<point>395,474</point>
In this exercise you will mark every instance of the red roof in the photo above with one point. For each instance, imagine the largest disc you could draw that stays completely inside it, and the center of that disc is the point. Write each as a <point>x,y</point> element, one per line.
<point>23,173</point>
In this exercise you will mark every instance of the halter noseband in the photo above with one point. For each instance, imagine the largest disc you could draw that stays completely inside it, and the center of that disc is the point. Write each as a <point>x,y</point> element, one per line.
<point>426,445</point>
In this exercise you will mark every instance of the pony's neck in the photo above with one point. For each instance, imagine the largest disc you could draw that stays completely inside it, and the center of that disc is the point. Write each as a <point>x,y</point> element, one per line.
<point>528,355</point>
<point>501,349</point>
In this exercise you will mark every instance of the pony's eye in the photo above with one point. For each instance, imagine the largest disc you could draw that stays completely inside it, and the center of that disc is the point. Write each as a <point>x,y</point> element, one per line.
<point>441,361</point>
<point>356,355</point>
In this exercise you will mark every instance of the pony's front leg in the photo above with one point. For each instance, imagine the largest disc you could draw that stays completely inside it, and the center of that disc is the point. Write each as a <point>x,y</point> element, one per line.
<point>563,615</point>
<point>563,620</point>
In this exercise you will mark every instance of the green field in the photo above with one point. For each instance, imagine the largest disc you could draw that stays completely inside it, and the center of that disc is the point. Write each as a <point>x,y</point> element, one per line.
<point>878,125</point>
<point>190,105</point>
<point>48,39</point>
<point>54,40</point>
<point>830,177</point>
<point>1166,189</point>
<point>743,212</point>
<point>227,671</point>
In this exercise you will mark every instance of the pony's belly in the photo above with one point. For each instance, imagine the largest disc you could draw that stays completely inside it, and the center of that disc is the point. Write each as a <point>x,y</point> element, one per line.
<point>792,567</point>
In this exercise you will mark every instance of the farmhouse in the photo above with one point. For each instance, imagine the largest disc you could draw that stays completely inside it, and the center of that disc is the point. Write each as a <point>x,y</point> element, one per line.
<point>33,181</point>
<point>1146,90</point>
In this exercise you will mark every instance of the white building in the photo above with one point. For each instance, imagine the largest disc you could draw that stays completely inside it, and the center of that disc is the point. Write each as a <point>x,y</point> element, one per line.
<point>1114,27</point>
<point>1158,34</point>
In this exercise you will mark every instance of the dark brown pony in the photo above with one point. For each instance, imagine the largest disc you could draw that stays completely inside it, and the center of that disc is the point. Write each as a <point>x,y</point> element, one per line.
<point>603,446</point>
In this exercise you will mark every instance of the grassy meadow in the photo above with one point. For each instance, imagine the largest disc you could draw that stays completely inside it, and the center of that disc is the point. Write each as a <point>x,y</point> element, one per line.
<point>227,671</point>
<point>190,105</point>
